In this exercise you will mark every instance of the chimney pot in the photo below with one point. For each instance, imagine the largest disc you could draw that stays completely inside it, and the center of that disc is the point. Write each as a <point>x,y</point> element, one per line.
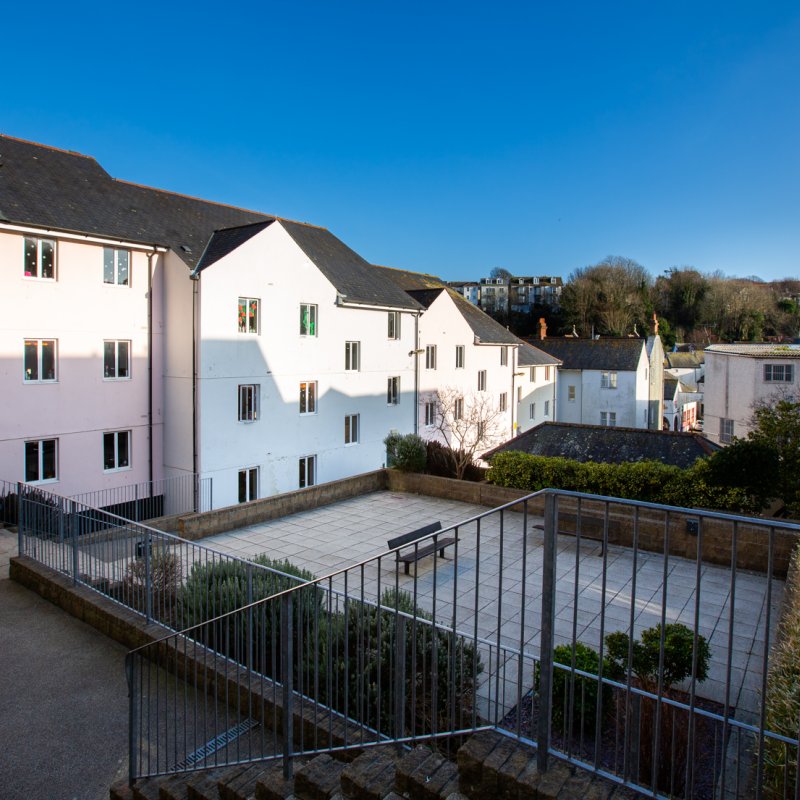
<point>542,328</point>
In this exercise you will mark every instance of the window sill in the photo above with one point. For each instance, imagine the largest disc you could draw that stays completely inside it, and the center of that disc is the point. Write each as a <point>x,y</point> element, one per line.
<point>350,444</point>
<point>116,469</point>
<point>307,414</point>
<point>115,380</point>
<point>118,285</point>
<point>246,421</point>
<point>39,280</point>
<point>42,482</point>
<point>38,383</point>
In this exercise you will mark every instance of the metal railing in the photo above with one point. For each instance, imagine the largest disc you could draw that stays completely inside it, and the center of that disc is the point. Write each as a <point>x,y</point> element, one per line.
<point>509,634</point>
<point>167,579</point>
<point>180,494</point>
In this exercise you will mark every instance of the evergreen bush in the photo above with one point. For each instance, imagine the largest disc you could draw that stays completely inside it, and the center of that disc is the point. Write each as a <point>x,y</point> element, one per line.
<point>406,452</point>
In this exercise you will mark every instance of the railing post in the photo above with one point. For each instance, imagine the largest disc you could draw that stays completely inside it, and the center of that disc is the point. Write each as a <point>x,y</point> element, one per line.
<point>249,615</point>
<point>548,626</point>
<point>74,525</point>
<point>148,579</point>
<point>287,634</point>
<point>130,675</point>
<point>399,679</point>
<point>20,520</point>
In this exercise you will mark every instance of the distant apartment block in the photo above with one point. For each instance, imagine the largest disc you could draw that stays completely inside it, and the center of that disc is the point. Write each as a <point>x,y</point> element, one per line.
<point>521,294</point>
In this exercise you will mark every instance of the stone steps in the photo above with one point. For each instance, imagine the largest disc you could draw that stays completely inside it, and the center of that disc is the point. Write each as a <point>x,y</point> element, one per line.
<point>489,765</point>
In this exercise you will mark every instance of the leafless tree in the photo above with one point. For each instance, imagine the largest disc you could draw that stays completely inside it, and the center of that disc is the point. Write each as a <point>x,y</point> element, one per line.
<point>469,424</point>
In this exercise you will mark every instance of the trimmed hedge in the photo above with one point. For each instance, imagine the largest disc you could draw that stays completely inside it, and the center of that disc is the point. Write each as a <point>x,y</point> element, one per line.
<point>650,481</point>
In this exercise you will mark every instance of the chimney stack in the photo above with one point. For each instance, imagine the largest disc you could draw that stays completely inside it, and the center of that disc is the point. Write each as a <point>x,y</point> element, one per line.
<point>542,328</point>
<point>655,324</point>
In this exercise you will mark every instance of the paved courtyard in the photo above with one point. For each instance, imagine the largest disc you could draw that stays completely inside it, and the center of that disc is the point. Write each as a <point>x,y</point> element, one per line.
<point>498,590</point>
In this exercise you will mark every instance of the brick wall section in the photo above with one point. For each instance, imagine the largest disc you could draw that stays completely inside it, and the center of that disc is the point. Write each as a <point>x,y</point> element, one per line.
<point>209,523</point>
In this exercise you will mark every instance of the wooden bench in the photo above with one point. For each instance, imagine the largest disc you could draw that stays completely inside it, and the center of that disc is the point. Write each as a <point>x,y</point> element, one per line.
<point>592,527</point>
<point>422,550</point>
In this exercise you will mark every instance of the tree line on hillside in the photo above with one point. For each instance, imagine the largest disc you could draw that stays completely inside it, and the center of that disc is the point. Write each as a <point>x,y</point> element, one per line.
<point>618,297</point>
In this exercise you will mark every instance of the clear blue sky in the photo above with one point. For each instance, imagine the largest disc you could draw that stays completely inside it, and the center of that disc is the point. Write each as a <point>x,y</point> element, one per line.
<point>443,137</point>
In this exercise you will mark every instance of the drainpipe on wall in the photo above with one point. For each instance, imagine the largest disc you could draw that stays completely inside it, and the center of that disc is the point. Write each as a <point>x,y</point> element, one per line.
<point>416,373</point>
<point>195,295</point>
<point>150,365</point>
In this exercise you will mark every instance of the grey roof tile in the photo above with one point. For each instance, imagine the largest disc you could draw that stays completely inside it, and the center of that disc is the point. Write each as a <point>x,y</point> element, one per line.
<point>609,445</point>
<point>609,354</point>
<point>530,356</point>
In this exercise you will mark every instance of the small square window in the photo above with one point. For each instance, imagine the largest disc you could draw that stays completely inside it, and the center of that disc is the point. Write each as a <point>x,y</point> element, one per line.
<point>352,356</point>
<point>117,360</point>
<point>116,266</point>
<point>248,315</point>
<point>394,325</point>
<point>393,391</point>
<point>248,484</point>
<point>308,319</point>
<point>608,418</point>
<point>778,373</point>
<point>308,397</point>
<point>40,361</point>
<point>116,450</point>
<point>459,356</point>
<point>40,258</point>
<point>41,460</point>
<point>351,425</point>
<point>308,471</point>
<point>248,402</point>
<point>430,356</point>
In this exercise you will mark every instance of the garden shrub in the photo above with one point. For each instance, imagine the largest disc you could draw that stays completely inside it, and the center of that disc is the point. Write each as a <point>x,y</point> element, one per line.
<point>166,573</point>
<point>406,452</point>
<point>649,481</point>
<point>442,462</point>
<point>583,689</point>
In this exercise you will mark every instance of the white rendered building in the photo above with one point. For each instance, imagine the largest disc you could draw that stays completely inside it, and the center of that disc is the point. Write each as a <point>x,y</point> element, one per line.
<point>738,377</point>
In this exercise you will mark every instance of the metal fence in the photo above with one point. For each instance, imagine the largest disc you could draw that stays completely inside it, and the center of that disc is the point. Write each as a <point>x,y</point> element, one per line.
<point>180,494</point>
<point>628,639</point>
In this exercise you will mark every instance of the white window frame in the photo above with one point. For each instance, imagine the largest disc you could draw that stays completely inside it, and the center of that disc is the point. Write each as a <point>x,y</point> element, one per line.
<point>393,390</point>
<point>533,374</point>
<point>458,408</point>
<point>430,413</point>
<point>40,461</point>
<point>309,396</point>
<point>547,408</point>
<point>504,356</point>
<point>532,410</point>
<point>773,371</point>
<point>571,393</point>
<point>309,325</point>
<point>481,380</point>
<point>547,373</point>
<point>608,419</point>
<point>115,253</point>
<point>430,356</point>
<point>115,376</point>
<point>37,243</point>
<point>519,394</point>
<point>726,430</point>
<point>252,478</point>
<point>459,356</point>
<point>608,379</point>
<point>248,396</point>
<point>244,321</point>
<point>40,349</point>
<point>115,439</point>
<point>307,471</point>
<point>393,325</point>
<point>503,403</point>
<point>352,429</point>
<point>352,356</point>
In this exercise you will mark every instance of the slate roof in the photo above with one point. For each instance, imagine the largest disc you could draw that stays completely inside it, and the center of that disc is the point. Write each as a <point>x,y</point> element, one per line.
<point>757,350</point>
<point>671,386</point>
<point>609,354</point>
<point>426,288</point>
<point>684,360</point>
<point>609,445</point>
<point>226,241</point>
<point>67,191</point>
<point>530,356</point>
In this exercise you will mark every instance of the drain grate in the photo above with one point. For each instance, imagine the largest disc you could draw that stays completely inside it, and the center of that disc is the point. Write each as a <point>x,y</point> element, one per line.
<point>217,743</point>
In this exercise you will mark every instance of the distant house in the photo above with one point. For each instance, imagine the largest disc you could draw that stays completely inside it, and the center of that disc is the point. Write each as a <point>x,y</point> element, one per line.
<point>601,444</point>
<point>686,364</point>
<point>536,374</point>
<point>611,382</point>
<point>681,405</point>
<point>738,377</point>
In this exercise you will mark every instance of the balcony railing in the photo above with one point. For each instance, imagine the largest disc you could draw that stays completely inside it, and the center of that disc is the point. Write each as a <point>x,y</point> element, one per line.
<point>496,637</point>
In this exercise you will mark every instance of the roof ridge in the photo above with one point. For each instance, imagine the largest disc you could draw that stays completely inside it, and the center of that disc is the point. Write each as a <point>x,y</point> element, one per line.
<point>49,147</point>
